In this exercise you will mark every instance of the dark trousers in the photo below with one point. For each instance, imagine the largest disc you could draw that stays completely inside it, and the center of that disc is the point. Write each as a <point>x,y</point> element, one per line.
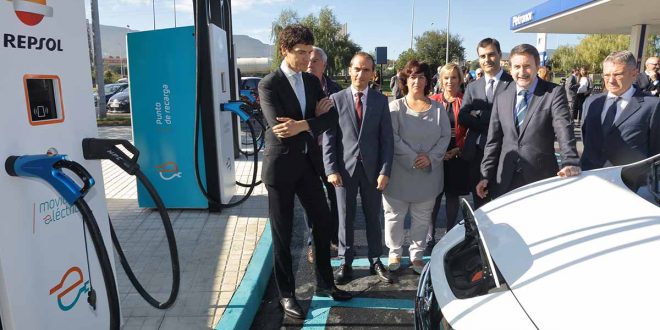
<point>579,101</point>
<point>347,206</point>
<point>332,197</point>
<point>280,208</point>
<point>475,177</point>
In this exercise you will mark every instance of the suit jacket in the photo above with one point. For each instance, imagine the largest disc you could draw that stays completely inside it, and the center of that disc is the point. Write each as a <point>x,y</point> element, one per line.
<point>529,149</point>
<point>475,100</point>
<point>636,133</point>
<point>284,158</point>
<point>571,87</point>
<point>344,145</point>
<point>331,86</point>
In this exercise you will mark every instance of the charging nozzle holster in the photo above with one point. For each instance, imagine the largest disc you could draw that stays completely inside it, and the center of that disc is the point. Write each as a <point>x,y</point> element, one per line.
<point>49,168</point>
<point>108,149</point>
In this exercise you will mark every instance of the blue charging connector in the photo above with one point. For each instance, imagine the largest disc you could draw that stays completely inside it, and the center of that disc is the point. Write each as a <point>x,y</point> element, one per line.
<point>49,168</point>
<point>237,107</point>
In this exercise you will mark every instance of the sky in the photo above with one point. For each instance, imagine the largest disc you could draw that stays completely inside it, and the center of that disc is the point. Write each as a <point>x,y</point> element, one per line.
<point>371,23</point>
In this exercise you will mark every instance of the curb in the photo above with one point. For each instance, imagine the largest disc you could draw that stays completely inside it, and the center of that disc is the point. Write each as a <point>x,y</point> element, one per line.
<point>246,300</point>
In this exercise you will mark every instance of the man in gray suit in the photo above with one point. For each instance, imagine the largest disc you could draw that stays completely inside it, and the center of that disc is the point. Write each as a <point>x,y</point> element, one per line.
<point>622,125</point>
<point>525,119</point>
<point>476,109</point>
<point>357,154</point>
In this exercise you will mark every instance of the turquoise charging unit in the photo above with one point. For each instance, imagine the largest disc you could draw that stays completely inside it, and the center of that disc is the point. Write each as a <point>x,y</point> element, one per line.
<point>161,66</point>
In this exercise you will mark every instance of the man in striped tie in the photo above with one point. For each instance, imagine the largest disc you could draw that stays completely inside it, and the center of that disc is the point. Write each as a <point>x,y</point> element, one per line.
<point>525,120</point>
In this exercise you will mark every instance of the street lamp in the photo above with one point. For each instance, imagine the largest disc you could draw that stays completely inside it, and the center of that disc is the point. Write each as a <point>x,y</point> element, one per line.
<point>174,13</point>
<point>153,9</point>
<point>412,25</point>
<point>448,16</point>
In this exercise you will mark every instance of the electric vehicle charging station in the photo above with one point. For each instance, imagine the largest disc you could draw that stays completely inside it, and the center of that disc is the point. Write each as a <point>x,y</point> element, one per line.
<point>181,98</point>
<point>45,87</point>
<point>163,96</point>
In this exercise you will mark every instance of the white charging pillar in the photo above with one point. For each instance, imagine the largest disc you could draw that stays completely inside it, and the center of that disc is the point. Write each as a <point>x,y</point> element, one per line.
<point>47,104</point>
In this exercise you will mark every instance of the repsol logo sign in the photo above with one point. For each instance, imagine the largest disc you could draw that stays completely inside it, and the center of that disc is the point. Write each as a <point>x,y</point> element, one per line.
<point>19,41</point>
<point>522,19</point>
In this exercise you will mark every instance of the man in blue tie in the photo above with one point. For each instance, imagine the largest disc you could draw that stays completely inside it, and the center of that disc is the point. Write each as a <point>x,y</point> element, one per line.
<point>622,125</point>
<point>525,119</point>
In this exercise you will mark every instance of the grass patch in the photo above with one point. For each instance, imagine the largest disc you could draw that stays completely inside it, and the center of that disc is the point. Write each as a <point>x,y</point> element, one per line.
<point>114,120</point>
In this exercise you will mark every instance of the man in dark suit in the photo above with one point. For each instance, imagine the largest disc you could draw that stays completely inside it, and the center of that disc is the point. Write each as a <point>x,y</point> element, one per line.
<point>571,87</point>
<point>476,108</point>
<point>525,119</point>
<point>358,155</point>
<point>649,80</point>
<point>297,111</point>
<point>317,64</point>
<point>623,125</point>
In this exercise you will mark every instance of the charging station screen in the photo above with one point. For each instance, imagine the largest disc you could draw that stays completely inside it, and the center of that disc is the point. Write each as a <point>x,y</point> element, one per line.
<point>41,95</point>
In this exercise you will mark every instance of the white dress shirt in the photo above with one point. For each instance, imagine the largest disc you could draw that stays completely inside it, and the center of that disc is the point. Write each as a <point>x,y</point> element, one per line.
<point>496,77</point>
<point>364,98</point>
<point>291,76</point>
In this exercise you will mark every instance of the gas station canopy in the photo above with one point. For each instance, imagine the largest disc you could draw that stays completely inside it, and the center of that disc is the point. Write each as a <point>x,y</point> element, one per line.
<point>588,17</point>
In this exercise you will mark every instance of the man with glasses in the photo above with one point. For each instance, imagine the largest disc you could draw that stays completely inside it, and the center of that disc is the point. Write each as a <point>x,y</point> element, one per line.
<point>622,125</point>
<point>649,80</point>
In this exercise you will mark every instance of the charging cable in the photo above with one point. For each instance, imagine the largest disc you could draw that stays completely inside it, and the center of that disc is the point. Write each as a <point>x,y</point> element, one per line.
<point>49,168</point>
<point>108,149</point>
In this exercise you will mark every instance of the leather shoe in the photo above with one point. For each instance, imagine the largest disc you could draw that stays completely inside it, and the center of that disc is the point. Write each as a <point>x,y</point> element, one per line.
<point>377,268</point>
<point>335,293</point>
<point>344,274</point>
<point>310,254</point>
<point>291,308</point>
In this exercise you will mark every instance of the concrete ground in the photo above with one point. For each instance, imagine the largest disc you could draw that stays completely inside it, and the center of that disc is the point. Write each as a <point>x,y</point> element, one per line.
<point>214,250</point>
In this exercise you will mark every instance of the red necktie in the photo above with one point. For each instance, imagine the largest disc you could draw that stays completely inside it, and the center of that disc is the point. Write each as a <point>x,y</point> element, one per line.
<point>358,109</point>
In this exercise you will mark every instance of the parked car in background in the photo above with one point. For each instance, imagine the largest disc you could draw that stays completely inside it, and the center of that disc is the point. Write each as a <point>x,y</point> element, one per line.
<point>562,253</point>
<point>249,92</point>
<point>110,90</point>
<point>251,83</point>
<point>120,102</point>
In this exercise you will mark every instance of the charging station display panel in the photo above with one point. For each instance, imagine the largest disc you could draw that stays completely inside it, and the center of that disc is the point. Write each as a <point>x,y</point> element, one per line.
<point>44,99</point>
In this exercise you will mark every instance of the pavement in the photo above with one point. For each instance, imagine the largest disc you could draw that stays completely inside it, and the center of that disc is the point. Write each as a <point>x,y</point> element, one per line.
<point>214,251</point>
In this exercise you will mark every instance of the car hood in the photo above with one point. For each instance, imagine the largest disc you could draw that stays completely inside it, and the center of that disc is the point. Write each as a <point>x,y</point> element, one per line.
<point>580,251</point>
<point>121,96</point>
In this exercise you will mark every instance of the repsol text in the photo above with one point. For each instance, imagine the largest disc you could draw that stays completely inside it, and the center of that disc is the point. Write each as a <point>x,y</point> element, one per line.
<point>19,41</point>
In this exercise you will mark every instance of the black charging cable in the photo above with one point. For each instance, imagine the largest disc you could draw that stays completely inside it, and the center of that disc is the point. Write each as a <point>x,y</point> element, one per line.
<point>88,220</point>
<point>108,149</point>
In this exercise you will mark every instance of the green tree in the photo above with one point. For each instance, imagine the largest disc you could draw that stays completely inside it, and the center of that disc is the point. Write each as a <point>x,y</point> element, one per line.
<point>327,35</point>
<point>564,59</point>
<point>404,58</point>
<point>431,48</point>
<point>287,17</point>
<point>593,49</point>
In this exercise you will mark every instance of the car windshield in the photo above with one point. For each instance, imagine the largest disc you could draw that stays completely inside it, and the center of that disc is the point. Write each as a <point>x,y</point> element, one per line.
<point>112,88</point>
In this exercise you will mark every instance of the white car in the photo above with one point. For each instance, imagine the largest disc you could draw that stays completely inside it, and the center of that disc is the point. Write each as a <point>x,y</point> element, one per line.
<point>575,253</point>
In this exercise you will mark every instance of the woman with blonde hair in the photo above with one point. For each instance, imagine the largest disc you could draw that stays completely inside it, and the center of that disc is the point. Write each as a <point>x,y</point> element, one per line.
<point>421,135</point>
<point>455,168</point>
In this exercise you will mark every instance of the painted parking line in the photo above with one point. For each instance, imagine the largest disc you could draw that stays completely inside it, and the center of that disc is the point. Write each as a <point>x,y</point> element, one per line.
<point>319,309</point>
<point>364,262</point>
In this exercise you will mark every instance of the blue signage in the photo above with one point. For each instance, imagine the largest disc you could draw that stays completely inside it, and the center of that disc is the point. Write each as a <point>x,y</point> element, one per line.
<point>545,10</point>
<point>161,67</point>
